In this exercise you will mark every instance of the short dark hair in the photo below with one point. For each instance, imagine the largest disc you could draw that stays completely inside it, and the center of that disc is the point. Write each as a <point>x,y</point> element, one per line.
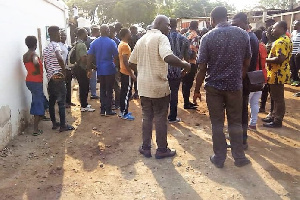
<point>283,25</point>
<point>81,31</point>
<point>241,16</point>
<point>219,13</point>
<point>30,41</point>
<point>258,32</point>
<point>53,29</point>
<point>194,25</point>
<point>173,23</point>
<point>133,27</point>
<point>124,32</point>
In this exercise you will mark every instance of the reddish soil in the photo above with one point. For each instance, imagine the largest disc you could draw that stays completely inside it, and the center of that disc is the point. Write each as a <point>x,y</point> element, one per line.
<point>99,160</point>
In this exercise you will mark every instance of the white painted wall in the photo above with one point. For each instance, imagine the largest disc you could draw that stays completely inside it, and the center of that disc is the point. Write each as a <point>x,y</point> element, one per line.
<point>18,19</point>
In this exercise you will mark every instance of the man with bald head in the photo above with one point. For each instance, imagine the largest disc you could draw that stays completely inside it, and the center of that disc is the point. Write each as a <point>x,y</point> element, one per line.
<point>151,57</point>
<point>104,50</point>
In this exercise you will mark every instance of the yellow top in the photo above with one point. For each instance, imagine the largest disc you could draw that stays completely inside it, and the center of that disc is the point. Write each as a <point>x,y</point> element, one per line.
<point>124,49</point>
<point>280,73</point>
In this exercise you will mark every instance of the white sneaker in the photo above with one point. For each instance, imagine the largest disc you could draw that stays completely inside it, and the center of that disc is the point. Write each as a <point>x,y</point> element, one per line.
<point>87,109</point>
<point>89,106</point>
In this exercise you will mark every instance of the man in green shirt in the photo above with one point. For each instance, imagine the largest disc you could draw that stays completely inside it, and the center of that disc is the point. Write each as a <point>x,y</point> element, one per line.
<point>80,70</point>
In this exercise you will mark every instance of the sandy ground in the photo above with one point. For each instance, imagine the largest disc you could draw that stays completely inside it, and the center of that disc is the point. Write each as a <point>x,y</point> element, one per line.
<point>99,160</point>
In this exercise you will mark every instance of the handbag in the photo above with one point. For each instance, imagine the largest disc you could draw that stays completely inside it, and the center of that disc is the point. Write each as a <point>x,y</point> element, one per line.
<point>257,79</point>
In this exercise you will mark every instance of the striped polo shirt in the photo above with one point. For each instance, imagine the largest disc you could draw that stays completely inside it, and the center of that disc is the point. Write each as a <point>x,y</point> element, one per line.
<point>51,63</point>
<point>296,42</point>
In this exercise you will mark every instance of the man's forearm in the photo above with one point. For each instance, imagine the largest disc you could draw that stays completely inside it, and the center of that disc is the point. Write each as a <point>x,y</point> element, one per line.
<point>274,60</point>
<point>200,78</point>
<point>132,66</point>
<point>174,61</point>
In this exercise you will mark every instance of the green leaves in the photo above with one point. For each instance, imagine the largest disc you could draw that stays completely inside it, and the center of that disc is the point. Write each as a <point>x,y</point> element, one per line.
<point>144,11</point>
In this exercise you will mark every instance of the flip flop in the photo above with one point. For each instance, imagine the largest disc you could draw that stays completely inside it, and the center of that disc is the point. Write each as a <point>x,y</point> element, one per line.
<point>66,128</point>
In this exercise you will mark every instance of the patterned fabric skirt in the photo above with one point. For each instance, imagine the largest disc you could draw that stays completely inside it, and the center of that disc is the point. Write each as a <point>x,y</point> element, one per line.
<point>38,98</point>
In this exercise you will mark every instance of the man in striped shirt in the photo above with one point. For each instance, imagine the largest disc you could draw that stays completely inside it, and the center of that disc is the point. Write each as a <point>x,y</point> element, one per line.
<point>295,60</point>
<point>55,67</point>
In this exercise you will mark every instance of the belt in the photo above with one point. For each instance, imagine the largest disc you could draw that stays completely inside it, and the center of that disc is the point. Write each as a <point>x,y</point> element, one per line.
<point>58,77</point>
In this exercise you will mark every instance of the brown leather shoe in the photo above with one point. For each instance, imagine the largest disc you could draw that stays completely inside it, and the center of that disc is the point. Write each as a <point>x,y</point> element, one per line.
<point>166,154</point>
<point>146,153</point>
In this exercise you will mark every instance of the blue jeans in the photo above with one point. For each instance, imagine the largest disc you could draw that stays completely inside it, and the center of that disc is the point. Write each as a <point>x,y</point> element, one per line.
<point>57,93</point>
<point>93,83</point>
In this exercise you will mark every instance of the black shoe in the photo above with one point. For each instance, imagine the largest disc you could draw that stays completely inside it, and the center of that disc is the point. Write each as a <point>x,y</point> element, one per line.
<point>111,113</point>
<point>189,107</point>
<point>241,163</point>
<point>102,112</point>
<point>95,97</point>
<point>273,125</point>
<point>193,104</point>
<point>165,154</point>
<point>213,160</point>
<point>268,119</point>
<point>146,153</point>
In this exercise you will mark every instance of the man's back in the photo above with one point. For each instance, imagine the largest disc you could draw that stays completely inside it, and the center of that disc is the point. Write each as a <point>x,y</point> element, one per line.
<point>104,49</point>
<point>224,49</point>
<point>149,54</point>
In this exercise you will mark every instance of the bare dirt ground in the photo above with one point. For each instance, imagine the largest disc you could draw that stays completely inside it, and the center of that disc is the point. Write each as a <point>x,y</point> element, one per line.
<point>99,160</point>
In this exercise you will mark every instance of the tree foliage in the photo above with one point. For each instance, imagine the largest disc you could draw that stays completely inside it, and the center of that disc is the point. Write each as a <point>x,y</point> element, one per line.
<point>276,4</point>
<point>143,11</point>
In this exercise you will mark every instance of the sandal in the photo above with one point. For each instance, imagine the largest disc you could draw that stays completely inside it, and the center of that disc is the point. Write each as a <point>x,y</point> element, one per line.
<point>54,127</point>
<point>66,128</point>
<point>37,133</point>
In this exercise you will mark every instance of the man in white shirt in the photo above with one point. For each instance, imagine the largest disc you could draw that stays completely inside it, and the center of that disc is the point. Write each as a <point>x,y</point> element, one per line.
<point>295,59</point>
<point>150,56</point>
<point>64,53</point>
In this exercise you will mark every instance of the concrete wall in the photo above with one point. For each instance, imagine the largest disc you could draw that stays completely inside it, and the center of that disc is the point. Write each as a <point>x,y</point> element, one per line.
<point>18,19</point>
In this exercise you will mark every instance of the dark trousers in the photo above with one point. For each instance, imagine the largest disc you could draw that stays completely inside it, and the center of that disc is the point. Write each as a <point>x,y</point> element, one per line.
<point>187,84</point>
<point>135,85</point>
<point>245,116</point>
<point>277,94</point>
<point>218,101</point>
<point>57,93</point>
<point>157,109</point>
<point>295,66</point>
<point>106,91</point>
<point>117,90</point>
<point>126,92</point>
<point>68,86</point>
<point>84,83</point>
<point>174,87</point>
<point>264,98</point>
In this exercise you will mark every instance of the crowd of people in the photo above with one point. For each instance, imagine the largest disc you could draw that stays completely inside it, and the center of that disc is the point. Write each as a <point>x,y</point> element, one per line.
<point>239,66</point>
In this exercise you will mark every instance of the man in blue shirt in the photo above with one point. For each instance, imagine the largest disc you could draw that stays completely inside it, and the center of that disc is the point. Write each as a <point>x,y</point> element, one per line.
<point>104,51</point>
<point>224,57</point>
<point>241,20</point>
<point>180,46</point>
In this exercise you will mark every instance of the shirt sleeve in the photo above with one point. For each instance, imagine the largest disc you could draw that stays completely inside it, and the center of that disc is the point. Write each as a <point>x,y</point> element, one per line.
<point>133,56</point>
<point>203,51</point>
<point>114,49</point>
<point>125,50</point>
<point>81,49</point>
<point>248,53</point>
<point>91,50</point>
<point>56,47</point>
<point>281,49</point>
<point>164,47</point>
